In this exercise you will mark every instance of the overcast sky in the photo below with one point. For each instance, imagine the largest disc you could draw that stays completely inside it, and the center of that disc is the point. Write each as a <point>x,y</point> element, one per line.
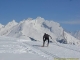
<point>65,12</point>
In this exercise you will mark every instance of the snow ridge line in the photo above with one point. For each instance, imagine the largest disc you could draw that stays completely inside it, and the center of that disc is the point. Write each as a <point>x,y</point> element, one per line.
<point>46,54</point>
<point>66,47</point>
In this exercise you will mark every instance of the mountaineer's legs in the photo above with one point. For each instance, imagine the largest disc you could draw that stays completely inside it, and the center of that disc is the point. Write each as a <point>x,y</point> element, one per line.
<point>48,42</point>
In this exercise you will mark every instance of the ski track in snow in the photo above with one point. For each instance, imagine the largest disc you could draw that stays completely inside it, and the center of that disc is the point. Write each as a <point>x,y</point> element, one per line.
<point>41,52</point>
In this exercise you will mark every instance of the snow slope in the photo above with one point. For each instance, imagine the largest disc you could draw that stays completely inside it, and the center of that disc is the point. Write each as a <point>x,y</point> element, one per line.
<point>35,28</point>
<point>20,49</point>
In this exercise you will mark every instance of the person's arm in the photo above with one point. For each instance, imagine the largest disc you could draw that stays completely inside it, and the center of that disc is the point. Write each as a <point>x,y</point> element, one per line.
<point>50,37</point>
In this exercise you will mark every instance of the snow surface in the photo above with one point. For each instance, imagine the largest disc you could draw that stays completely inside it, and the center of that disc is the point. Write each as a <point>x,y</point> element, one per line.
<point>20,49</point>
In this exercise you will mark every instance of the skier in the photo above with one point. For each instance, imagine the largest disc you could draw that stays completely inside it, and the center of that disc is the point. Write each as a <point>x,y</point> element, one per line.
<point>46,37</point>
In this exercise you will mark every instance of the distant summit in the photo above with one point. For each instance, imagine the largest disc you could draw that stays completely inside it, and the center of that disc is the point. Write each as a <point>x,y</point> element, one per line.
<point>76,34</point>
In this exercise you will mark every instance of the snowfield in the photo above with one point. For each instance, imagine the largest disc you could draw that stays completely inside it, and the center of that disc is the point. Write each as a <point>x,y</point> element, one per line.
<point>20,49</point>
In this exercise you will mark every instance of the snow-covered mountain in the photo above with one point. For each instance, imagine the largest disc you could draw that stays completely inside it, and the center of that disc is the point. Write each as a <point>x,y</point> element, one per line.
<point>35,28</point>
<point>4,30</point>
<point>76,34</point>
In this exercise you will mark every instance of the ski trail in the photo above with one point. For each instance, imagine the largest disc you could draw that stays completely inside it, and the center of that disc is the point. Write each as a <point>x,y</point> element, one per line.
<point>48,53</point>
<point>41,52</point>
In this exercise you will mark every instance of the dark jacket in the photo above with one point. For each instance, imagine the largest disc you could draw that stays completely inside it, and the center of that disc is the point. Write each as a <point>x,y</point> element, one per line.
<point>46,36</point>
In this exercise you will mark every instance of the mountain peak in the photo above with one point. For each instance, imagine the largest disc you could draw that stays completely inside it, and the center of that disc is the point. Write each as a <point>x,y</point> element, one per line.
<point>1,25</point>
<point>12,23</point>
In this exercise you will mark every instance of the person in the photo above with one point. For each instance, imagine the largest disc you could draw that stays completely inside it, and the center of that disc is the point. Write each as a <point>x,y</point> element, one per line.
<point>46,37</point>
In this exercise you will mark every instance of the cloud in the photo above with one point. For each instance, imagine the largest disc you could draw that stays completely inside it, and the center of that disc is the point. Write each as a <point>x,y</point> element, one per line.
<point>71,22</point>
